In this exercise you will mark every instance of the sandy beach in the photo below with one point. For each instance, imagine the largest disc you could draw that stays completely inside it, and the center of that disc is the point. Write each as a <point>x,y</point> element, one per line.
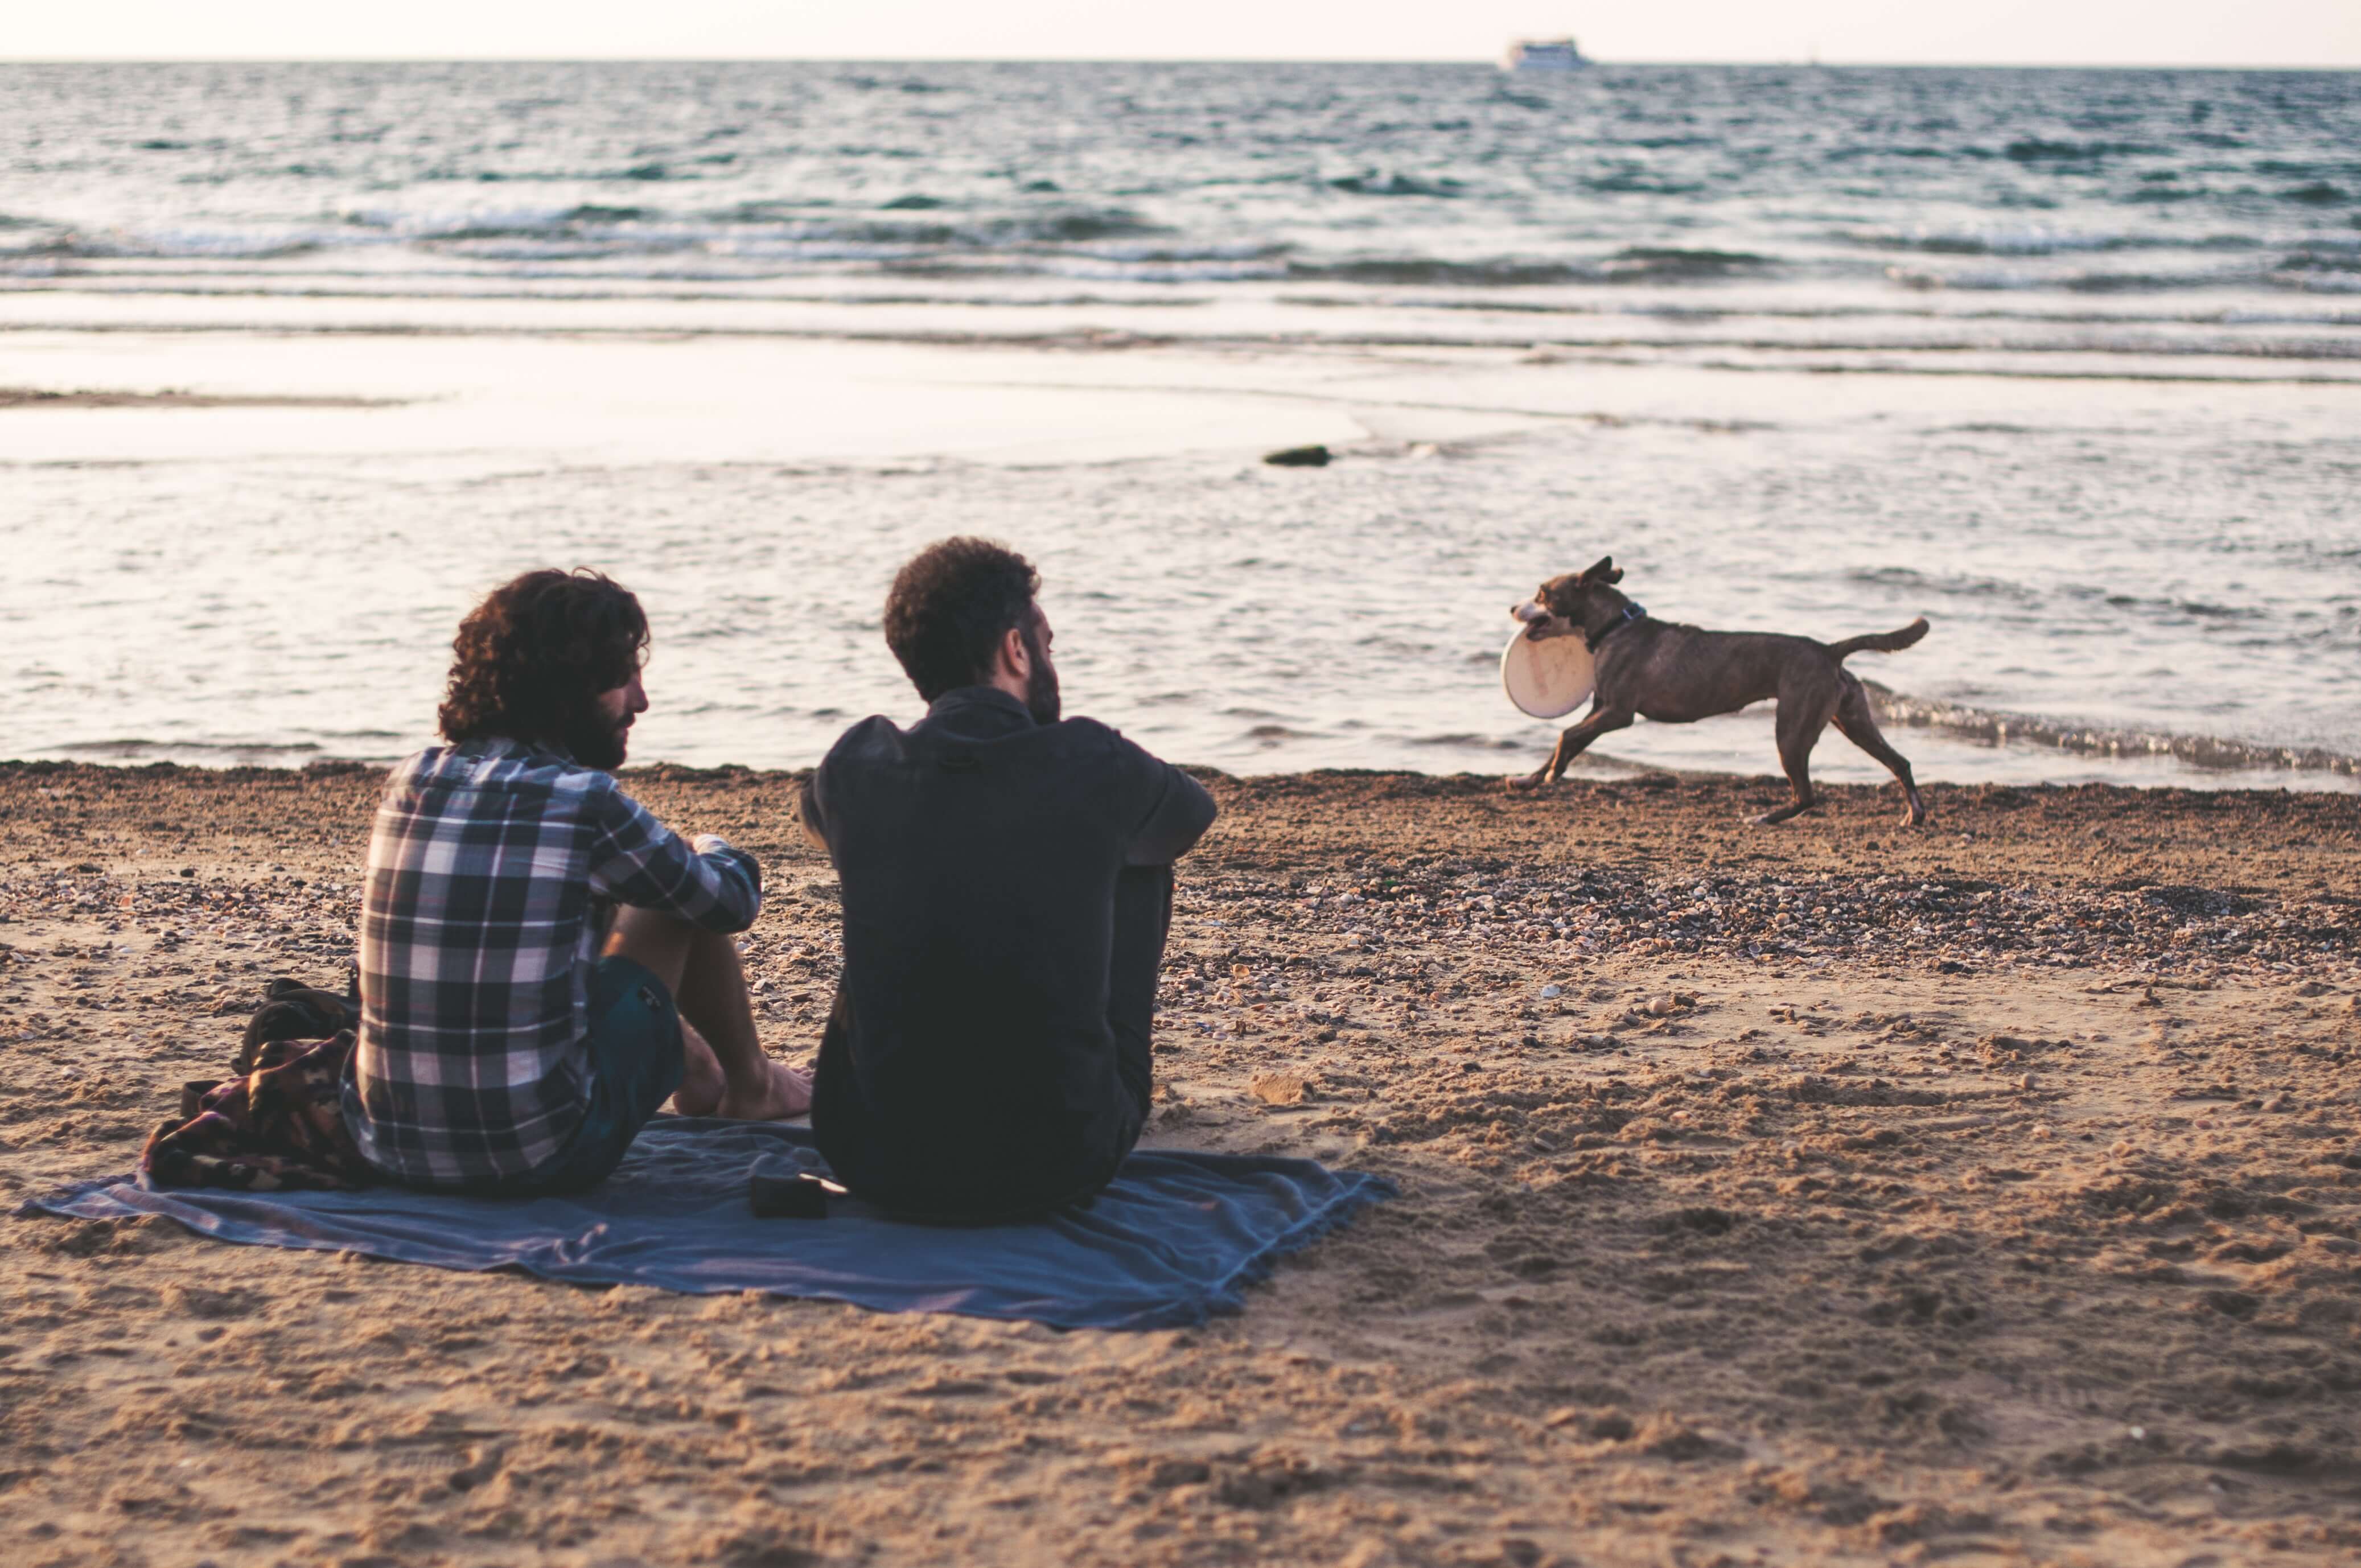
<point>1828,1194</point>
<point>1835,1194</point>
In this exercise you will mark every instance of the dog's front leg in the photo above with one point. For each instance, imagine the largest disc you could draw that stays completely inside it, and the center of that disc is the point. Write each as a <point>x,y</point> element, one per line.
<point>1599,722</point>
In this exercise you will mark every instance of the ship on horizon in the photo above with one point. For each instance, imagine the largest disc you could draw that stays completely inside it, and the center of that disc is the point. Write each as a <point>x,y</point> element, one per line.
<point>1543,54</point>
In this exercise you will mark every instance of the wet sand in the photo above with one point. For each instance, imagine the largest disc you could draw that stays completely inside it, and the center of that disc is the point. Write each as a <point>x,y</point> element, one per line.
<point>1829,1193</point>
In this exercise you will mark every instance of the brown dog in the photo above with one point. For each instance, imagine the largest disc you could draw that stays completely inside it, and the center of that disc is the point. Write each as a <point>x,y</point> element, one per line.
<point>1678,674</point>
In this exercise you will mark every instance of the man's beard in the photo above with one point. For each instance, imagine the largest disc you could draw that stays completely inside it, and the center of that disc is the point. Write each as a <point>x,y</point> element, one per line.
<point>1041,684</point>
<point>595,741</point>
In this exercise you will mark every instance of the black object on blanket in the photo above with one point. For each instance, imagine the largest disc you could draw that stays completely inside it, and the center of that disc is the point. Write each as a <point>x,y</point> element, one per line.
<point>777,1188</point>
<point>294,1011</point>
<point>281,1126</point>
<point>290,1011</point>
<point>278,1122</point>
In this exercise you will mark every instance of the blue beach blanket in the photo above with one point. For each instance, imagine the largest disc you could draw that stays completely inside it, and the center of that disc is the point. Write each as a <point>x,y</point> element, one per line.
<point>1176,1238</point>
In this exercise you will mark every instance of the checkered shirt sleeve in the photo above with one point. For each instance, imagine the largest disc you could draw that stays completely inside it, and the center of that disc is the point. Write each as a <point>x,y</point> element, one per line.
<point>636,860</point>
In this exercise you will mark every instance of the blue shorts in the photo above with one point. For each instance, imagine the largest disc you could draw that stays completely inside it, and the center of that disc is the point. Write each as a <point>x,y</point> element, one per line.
<point>636,1062</point>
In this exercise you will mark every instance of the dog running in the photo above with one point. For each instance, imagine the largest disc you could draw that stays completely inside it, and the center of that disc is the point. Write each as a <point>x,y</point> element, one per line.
<point>1678,674</point>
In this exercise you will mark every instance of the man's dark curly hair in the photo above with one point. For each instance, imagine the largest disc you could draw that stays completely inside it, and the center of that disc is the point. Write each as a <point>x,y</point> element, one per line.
<point>950,606</point>
<point>530,662</point>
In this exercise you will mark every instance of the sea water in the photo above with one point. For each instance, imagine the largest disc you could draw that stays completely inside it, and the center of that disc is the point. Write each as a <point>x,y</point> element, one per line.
<point>2069,362</point>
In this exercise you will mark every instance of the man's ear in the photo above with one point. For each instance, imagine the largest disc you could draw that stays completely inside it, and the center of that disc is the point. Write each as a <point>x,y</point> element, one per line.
<point>1013,653</point>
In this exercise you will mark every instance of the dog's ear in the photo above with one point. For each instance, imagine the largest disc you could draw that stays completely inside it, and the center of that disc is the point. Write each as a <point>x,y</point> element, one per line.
<point>1603,570</point>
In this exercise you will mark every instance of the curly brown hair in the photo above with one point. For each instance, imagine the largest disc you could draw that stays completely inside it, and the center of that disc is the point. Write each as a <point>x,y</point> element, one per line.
<point>949,608</point>
<point>530,662</point>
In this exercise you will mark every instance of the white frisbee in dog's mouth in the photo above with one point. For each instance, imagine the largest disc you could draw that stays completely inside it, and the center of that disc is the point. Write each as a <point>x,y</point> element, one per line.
<point>1547,677</point>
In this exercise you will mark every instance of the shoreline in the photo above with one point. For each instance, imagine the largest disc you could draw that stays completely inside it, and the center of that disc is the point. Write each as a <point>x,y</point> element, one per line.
<point>2156,880</point>
<point>2296,771</point>
<point>2004,1198</point>
<point>702,460</point>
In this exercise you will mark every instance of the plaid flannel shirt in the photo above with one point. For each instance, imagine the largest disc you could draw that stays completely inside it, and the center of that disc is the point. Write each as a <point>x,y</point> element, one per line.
<point>494,871</point>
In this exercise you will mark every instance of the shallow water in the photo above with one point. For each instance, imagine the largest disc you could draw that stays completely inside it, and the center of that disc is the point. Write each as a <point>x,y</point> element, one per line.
<point>2065,361</point>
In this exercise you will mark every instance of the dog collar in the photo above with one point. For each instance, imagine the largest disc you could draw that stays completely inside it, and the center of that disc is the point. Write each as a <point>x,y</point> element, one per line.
<point>1631,612</point>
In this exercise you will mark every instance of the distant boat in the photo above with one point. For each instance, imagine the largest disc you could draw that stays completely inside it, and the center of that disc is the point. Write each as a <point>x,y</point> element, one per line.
<point>1543,54</point>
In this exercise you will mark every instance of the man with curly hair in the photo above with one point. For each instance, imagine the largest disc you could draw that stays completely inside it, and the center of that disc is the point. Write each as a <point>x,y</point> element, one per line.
<point>1007,887</point>
<point>543,962</point>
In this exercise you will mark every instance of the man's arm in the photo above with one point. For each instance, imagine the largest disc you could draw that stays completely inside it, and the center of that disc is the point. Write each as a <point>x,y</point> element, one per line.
<point>813,814</point>
<point>636,860</point>
<point>1178,813</point>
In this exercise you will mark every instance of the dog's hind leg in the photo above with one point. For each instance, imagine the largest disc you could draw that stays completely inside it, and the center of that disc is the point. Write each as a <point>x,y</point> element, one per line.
<point>1801,719</point>
<point>1597,722</point>
<point>1858,722</point>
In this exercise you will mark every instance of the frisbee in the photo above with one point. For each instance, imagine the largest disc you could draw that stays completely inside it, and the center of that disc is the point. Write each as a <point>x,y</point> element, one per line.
<point>1549,678</point>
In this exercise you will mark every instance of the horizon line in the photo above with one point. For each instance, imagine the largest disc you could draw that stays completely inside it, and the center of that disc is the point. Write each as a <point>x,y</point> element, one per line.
<point>1491,61</point>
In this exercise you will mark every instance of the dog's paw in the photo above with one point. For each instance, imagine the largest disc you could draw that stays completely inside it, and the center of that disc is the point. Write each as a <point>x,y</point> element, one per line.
<point>1518,783</point>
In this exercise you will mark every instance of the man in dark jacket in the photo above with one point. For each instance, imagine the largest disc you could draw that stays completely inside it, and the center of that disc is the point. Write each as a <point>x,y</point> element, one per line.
<point>1007,887</point>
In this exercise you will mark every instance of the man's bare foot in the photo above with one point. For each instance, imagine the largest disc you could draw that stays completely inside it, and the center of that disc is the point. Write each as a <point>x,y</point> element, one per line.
<point>783,1095</point>
<point>701,1081</point>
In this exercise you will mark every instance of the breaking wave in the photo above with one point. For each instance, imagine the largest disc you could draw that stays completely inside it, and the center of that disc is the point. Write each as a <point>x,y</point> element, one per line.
<point>2034,239</point>
<point>584,230</point>
<point>2212,753</point>
<point>1631,264</point>
<point>1372,185</point>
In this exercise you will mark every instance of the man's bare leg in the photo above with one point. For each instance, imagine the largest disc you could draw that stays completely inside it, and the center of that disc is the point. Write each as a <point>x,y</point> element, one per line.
<point>702,1080</point>
<point>726,1073</point>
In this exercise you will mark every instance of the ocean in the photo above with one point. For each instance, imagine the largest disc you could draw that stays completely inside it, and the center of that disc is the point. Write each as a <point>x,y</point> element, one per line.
<point>297,359</point>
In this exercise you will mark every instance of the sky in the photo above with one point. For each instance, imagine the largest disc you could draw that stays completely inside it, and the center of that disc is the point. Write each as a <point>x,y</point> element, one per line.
<point>2032,32</point>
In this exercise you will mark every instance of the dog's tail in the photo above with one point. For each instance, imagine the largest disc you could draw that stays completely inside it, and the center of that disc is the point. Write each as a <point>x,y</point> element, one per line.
<point>1881,641</point>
